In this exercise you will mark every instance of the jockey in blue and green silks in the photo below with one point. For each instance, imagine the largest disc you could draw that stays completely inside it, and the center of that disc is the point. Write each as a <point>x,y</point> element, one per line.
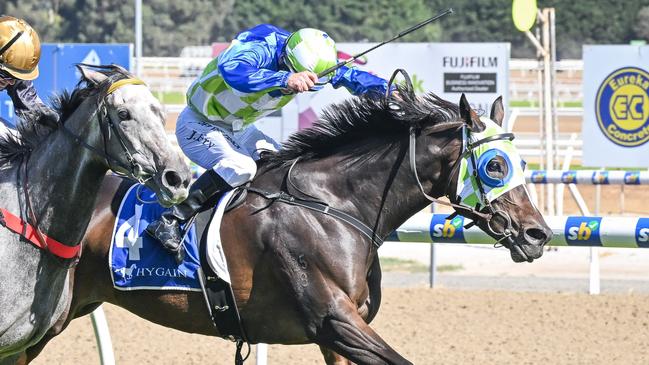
<point>260,72</point>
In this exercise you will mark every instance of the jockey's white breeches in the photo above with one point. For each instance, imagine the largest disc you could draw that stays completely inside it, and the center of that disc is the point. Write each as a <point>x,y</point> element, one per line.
<point>230,154</point>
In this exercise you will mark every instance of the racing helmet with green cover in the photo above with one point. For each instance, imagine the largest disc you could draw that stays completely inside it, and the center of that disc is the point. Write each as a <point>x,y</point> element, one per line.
<point>312,50</point>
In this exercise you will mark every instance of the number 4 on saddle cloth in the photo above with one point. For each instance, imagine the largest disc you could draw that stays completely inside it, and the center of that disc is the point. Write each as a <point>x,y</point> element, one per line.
<point>138,262</point>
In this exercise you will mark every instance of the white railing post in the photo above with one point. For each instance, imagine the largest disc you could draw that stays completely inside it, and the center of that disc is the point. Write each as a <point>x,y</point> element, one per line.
<point>102,335</point>
<point>432,276</point>
<point>138,38</point>
<point>594,281</point>
<point>262,354</point>
<point>594,287</point>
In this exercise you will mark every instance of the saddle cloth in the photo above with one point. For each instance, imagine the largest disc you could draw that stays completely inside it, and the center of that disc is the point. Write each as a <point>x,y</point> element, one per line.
<point>139,262</point>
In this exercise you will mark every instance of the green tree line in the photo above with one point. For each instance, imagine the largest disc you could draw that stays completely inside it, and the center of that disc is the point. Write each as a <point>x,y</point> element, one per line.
<point>171,25</point>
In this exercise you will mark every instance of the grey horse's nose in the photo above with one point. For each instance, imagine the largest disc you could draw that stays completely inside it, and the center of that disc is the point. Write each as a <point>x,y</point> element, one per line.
<point>171,178</point>
<point>537,236</point>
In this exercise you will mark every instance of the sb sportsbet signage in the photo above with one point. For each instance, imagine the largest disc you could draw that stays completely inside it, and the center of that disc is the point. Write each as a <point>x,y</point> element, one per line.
<point>616,106</point>
<point>568,231</point>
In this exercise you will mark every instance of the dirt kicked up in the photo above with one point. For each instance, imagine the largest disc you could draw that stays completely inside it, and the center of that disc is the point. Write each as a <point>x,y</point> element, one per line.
<point>426,326</point>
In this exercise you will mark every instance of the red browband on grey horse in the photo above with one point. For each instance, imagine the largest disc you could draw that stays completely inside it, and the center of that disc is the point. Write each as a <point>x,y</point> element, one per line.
<point>39,239</point>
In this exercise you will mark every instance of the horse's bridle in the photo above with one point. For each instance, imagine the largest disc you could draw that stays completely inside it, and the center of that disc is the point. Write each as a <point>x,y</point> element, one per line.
<point>488,213</point>
<point>134,169</point>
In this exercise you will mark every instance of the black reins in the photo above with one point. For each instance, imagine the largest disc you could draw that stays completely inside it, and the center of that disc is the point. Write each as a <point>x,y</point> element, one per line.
<point>314,204</point>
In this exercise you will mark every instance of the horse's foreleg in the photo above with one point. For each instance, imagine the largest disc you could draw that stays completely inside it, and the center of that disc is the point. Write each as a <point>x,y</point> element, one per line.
<point>346,333</point>
<point>332,358</point>
<point>370,308</point>
<point>32,352</point>
<point>367,311</point>
<point>15,359</point>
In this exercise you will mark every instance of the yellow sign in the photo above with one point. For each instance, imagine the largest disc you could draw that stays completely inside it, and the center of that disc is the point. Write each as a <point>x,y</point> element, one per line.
<point>524,14</point>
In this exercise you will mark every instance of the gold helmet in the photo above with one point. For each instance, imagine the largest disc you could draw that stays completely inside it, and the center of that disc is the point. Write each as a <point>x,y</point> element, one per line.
<point>20,48</point>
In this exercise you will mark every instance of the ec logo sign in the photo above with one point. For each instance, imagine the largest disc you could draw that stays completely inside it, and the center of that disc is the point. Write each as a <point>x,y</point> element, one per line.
<point>628,107</point>
<point>444,230</point>
<point>583,231</point>
<point>622,107</point>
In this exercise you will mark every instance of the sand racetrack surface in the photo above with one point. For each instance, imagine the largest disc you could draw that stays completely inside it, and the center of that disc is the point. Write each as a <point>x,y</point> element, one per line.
<point>426,326</point>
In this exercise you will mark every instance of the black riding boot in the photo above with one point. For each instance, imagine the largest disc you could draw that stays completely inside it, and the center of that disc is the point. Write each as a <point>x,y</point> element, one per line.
<point>167,228</point>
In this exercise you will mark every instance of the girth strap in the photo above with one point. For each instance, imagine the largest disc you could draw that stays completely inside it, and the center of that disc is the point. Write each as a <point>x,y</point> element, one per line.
<point>26,230</point>
<point>287,198</point>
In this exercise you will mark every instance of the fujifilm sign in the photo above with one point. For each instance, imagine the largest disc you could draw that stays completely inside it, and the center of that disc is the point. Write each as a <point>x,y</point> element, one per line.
<point>469,62</point>
<point>479,70</point>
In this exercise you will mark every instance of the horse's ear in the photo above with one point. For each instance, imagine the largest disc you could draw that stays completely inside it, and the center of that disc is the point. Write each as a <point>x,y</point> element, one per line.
<point>497,111</point>
<point>469,116</point>
<point>122,69</point>
<point>91,75</point>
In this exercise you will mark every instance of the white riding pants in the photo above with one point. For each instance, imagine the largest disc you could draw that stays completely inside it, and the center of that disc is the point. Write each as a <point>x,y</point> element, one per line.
<point>230,154</point>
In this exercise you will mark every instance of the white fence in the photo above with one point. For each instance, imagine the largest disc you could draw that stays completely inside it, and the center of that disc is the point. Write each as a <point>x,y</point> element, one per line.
<point>588,177</point>
<point>630,232</point>
<point>529,144</point>
<point>165,74</point>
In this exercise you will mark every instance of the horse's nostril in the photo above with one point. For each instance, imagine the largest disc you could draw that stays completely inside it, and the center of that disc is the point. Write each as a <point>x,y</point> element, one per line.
<point>535,235</point>
<point>172,179</point>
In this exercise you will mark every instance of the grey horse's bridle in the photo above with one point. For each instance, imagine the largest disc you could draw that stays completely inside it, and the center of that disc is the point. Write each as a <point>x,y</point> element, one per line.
<point>134,169</point>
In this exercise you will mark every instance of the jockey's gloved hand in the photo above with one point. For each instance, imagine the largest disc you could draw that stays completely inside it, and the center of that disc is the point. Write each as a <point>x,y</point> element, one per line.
<point>301,81</point>
<point>43,114</point>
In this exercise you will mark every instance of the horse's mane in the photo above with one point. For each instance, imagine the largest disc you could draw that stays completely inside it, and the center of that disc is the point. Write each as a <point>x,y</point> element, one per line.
<point>349,123</point>
<point>37,124</point>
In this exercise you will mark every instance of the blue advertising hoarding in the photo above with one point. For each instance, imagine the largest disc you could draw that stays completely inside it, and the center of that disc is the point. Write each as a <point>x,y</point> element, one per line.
<point>57,71</point>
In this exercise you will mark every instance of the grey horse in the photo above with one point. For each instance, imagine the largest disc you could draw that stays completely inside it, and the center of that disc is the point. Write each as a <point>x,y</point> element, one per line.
<point>50,175</point>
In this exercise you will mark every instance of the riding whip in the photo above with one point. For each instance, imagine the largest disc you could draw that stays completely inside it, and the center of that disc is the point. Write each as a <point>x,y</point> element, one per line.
<point>407,31</point>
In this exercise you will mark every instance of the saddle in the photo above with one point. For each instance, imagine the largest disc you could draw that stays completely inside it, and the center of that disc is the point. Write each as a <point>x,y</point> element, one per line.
<point>216,289</point>
<point>217,292</point>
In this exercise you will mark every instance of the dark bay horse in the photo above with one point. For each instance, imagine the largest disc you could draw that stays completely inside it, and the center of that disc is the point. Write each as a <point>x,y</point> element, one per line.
<point>51,172</point>
<point>300,276</point>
